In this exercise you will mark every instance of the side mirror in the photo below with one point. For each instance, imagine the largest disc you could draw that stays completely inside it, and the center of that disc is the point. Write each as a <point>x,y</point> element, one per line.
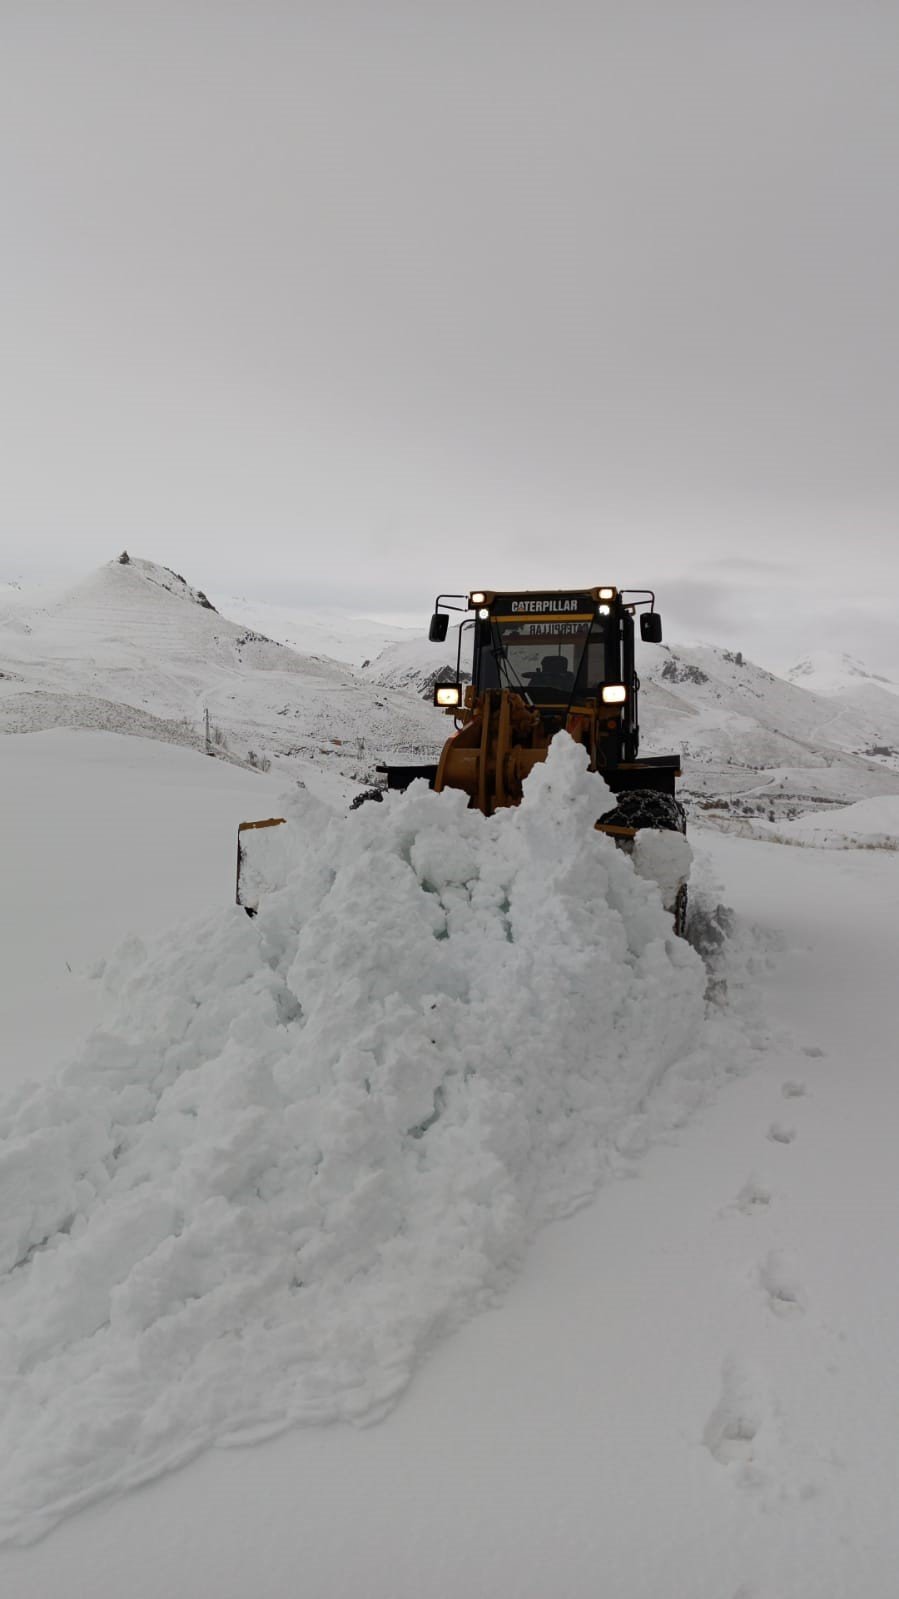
<point>651,627</point>
<point>438,628</point>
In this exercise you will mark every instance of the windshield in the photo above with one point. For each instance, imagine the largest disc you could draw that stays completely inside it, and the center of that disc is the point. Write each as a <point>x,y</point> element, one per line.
<point>548,660</point>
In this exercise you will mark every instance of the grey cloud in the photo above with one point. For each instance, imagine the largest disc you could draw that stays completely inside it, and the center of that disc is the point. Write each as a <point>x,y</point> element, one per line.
<point>386,298</point>
<point>741,565</point>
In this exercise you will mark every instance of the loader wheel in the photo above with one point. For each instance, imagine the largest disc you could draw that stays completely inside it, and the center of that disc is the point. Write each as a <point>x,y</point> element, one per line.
<point>647,807</point>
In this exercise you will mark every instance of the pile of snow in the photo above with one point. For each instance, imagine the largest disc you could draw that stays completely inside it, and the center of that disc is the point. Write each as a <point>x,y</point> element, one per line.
<point>664,859</point>
<point>303,1146</point>
<point>869,824</point>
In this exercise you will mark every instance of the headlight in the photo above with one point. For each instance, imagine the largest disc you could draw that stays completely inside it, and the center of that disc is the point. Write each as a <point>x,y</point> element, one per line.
<point>607,594</point>
<point>447,695</point>
<point>483,614</point>
<point>614,694</point>
<point>477,598</point>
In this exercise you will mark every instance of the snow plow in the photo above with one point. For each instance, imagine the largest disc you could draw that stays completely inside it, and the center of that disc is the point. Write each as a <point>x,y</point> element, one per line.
<point>247,892</point>
<point>543,662</point>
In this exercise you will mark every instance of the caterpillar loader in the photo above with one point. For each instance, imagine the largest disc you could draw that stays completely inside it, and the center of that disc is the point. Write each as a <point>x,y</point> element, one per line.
<point>543,661</point>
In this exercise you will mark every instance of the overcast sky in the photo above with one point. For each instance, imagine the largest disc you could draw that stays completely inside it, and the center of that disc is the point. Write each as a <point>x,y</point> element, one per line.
<point>354,301</point>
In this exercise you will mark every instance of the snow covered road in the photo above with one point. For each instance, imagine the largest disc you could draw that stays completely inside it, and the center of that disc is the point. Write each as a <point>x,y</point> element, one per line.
<point>690,1390</point>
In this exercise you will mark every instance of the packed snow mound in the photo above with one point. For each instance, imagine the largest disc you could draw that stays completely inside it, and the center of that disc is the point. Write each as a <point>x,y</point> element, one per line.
<point>869,824</point>
<point>304,1146</point>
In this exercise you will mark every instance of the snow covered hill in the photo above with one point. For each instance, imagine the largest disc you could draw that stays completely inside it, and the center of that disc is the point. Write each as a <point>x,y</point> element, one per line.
<point>416,664</point>
<point>831,672</point>
<point>865,700</point>
<point>351,639</point>
<point>134,649</point>
<point>760,745</point>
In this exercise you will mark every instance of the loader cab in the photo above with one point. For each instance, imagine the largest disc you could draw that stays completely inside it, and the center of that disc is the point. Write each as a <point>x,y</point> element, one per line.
<point>554,656</point>
<point>561,652</point>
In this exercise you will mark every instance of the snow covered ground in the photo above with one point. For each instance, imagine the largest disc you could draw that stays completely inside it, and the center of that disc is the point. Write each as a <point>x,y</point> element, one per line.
<point>689,1386</point>
<point>104,837</point>
<point>305,1170</point>
<point>868,824</point>
<point>299,1149</point>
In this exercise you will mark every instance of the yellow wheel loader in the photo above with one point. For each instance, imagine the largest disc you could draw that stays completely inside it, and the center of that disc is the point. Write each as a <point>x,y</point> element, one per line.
<point>542,662</point>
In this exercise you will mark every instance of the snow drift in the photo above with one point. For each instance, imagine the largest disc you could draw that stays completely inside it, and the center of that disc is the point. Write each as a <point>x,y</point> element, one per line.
<point>302,1147</point>
<point>868,824</point>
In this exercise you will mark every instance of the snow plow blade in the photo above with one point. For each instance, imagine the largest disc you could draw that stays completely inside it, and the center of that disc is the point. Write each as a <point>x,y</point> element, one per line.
<point>249,882</point>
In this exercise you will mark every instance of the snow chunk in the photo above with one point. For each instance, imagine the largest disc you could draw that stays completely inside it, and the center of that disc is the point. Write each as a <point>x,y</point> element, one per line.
<point>305,1146</point>
<point>664,858</point>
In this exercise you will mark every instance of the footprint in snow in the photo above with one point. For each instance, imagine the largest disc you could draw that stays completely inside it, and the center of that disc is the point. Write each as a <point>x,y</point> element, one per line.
<point>813,1052</point>
<point>755,1194</point>
<point>780,1133</point>
<point>793,1090</point>
<point>779,1278</point>
<point>732,1430</point>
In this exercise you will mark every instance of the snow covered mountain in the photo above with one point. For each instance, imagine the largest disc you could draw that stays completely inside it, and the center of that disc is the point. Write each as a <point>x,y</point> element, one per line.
<point>832,672</point>
<point>351,639</point>
<point>417,664</point>
<point>760,743</point>
<point>135,649</point>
